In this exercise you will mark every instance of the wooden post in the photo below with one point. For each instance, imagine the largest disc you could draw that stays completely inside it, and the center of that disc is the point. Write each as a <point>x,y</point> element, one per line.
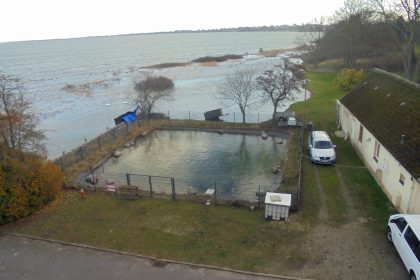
<point>150,186</point>
<point>81,152</point>
<point>99,143</point>
<point>173,188</point>
<point>61,164</point>
<point>215,193</point>
<point>128,179</point>
<point>234,118</point>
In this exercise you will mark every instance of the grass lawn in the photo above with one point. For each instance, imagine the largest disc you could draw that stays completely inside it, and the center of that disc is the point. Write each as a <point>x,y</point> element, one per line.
<point>220,235</point>
<point>181,230</point>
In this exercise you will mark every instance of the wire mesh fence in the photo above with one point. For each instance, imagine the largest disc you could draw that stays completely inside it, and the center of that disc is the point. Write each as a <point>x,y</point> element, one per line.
<point>147,185</point>
<point>205,190</point>
<point>113,135</point>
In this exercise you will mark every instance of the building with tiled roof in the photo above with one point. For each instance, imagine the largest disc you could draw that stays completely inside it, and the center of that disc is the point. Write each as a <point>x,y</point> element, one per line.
<point>381,117</point>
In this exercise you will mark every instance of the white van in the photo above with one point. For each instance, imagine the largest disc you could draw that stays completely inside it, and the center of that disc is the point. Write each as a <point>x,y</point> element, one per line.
<point>404,232</point>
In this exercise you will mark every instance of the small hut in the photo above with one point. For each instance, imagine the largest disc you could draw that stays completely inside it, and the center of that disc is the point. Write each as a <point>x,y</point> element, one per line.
<point>213,115</point>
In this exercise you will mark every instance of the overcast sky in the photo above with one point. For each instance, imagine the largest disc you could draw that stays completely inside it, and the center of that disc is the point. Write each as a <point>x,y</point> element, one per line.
<point>46,19</point>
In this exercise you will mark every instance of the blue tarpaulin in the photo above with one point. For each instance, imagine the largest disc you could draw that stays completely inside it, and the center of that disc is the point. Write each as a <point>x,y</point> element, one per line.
<point>127,117</point>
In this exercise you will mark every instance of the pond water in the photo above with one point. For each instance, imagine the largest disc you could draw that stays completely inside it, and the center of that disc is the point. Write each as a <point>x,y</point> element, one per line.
<point>236,163</point>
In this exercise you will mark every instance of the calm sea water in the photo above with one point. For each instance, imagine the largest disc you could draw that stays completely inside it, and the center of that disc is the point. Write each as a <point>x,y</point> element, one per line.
<point>79,86</point>
<point>238,164</point>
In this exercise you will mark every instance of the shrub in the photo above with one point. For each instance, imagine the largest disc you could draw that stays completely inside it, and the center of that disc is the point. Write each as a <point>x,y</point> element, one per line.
<point>27,182</point>
<point>348,78</point>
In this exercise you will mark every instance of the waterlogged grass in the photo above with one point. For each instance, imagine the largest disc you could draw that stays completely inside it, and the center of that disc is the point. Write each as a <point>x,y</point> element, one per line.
<point>181,230</point>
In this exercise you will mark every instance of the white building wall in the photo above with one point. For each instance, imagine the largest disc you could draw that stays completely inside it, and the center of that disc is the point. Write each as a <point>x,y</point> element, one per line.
<point>386,169</point>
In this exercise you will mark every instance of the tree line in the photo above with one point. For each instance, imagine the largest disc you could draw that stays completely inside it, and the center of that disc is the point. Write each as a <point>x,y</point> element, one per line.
<point>386,29</point>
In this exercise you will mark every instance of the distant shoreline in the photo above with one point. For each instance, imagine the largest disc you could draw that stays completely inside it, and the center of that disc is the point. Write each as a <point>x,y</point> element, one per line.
<point>222,30</point>
<point>214,60</point>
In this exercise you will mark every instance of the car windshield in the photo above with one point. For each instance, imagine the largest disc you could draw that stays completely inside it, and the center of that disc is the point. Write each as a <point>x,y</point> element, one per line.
<point>323,145</point>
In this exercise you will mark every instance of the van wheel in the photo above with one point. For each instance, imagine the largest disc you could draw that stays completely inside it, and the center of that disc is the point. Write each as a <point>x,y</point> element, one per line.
<point>389,235</point>
<point>413,276</point>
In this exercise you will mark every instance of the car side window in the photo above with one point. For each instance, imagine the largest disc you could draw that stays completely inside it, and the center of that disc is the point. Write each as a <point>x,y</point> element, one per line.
<point>401,223</point>
<point>412,241</point>
<point>417,253</point>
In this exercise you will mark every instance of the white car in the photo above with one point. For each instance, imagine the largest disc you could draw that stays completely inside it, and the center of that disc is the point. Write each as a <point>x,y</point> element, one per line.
<point>321,149</point>
<point>404,232</point>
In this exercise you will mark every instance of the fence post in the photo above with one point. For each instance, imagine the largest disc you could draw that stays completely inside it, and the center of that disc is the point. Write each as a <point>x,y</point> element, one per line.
<point>99,143</point>
<point>93,178</point>
<point>189,115</point>
<point>173,188</point>
<point>150,186</point>
<point>259,196</point>
<point>81,152</point>
<point>61,164</point>
<point>234,118</point>
<point>128,179</point>
<point>215,193</point>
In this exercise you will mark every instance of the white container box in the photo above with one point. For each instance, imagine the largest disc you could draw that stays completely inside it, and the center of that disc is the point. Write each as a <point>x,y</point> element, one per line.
<point>277,206</point>
<point>291,121</point>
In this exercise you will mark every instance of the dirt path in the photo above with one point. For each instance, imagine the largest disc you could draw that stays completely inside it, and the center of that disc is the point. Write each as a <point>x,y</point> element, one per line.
<point>351,212</point>
<point>349,251</point>
<point>323,213</point>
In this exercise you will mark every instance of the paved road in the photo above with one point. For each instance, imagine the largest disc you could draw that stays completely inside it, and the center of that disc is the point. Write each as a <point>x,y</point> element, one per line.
<point>25,258</point>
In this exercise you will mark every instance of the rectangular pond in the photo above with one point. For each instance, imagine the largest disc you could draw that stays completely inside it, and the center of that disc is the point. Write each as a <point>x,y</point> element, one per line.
<point>236,164</point>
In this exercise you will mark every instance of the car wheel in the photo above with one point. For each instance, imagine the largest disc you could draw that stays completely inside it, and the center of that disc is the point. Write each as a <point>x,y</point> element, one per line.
<point>389,234</point>
<point>413,276</point>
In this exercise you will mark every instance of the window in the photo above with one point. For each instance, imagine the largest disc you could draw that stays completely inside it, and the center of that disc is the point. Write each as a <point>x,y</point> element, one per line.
<point>376,151</point>
<point>323,145</point>
<point>401,223</point>
<point>402,179</point>
<point>412,241</point>
<point>361,134</point>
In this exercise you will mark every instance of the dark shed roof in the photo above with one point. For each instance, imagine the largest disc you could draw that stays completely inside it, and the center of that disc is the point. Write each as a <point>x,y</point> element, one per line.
<point>389,107</point>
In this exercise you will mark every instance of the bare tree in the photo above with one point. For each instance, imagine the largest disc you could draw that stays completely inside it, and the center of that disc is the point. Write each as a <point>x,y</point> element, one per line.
<point>403,19</point>
<point>238,88</point>
<point>351,29</point>
<point>279,84</point>
<point>18,122</point>
<point>150,90</point>
<point>311,39</point>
